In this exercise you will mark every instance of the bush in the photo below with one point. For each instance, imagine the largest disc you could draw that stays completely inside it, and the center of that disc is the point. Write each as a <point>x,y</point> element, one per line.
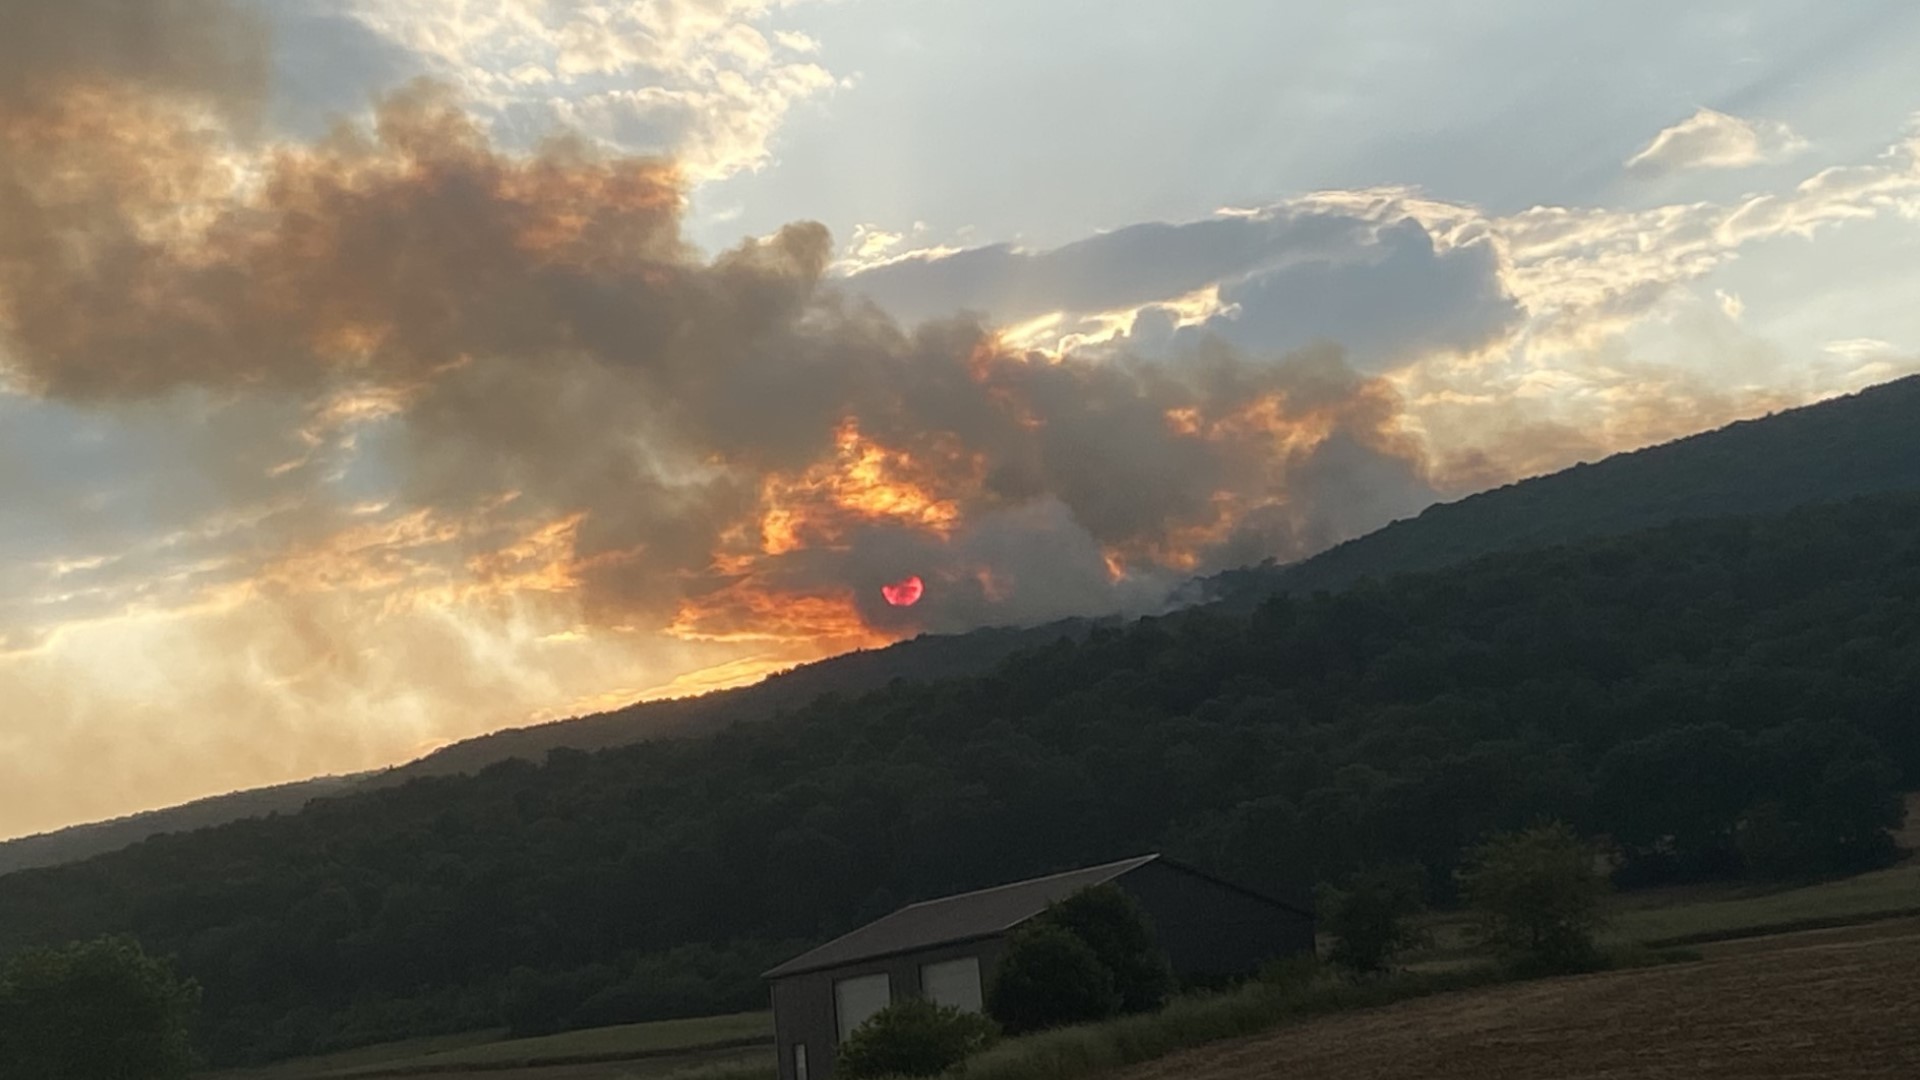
<point>1538,893</point>
<point>1049,977</point>
<point>544,1002</point>
<point>1290,973</point>
<point>913,1038</point>
<point>98,1010</point>
<point>1370,921</point>
<point>1831,797</point>
<point>1111,922</point>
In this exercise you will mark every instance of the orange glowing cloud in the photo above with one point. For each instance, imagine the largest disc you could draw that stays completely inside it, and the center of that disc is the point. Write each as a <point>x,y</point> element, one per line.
<point>751,611</point>
<point>862,482</point>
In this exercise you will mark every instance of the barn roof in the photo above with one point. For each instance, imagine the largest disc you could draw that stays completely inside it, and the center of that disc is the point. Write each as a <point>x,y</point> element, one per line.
<point>966,917</point>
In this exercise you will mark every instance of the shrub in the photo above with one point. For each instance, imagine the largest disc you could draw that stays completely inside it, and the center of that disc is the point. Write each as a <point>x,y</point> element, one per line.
<point>1370,921</point>
<point>543,1002</point>
<point>1111,922</point>
<point>1538,893</point>
<point>913,1038</point>
<point>1292,972</point>
<point>97,1010</point>
<point>1049,977</point>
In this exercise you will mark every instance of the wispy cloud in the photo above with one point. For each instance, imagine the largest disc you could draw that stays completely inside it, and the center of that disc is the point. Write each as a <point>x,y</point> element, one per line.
<point>1715,140</point>
<point>707,81</point>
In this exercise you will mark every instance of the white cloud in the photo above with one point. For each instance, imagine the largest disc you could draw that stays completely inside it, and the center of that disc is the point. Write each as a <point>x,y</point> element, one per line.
<point>872,242</point>
<point>1387,272</point>
<point>1361,271</point>
<point>707,81</point>
<point>1860,349</point>
<point>1715,140</point>
<point>1384,269</point>
<point>1584,272</point>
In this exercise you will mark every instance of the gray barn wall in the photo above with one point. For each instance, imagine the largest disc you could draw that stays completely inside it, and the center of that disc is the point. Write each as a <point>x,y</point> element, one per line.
<point>803,1004</point>
<point>1212,929</point>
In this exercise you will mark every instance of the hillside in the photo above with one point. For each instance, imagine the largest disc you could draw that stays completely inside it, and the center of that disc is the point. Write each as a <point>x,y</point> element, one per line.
<point>931,656</point>
<point>1728,698</point>
<point>86,841</point>
<point>1856,445</point>
<point>1863,444</point>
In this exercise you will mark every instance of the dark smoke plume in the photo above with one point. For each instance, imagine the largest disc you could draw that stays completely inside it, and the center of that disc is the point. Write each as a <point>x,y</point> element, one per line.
<point>728,446</point>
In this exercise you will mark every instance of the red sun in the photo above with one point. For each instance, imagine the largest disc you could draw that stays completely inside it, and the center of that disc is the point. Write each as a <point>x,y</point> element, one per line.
<point>904,593</point>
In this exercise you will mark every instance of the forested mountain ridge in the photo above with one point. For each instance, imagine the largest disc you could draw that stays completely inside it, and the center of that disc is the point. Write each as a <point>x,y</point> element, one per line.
<point>930,656</point>
<point>1728,697</point>
<point>1863,444</point>
<point>85,841</point>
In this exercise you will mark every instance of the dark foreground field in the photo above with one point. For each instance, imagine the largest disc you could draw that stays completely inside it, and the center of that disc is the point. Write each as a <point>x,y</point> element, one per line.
<point>1835,1005</point>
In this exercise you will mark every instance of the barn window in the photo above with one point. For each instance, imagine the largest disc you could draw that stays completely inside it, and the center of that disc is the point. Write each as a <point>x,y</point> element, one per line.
<point>855,999</point>
<point>953,982</point>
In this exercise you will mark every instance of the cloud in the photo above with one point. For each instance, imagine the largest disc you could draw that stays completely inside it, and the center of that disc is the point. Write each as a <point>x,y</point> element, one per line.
<point>391,435</point>
<point>1402,301</point>
<point>1388,273</point>
<point>1587,272</point>
<point>423,426</point>
<point>1520,343</point>
<point>706,81</point>
<point>1715,140</point>
<point>1372,279</point>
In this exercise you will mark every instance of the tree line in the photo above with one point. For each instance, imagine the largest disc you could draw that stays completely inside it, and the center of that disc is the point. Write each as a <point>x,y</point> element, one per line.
<point>1727,698</point>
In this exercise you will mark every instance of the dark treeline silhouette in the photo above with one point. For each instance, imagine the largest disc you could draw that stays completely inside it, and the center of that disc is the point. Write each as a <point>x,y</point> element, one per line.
<point>97,838</point>
<point>1721,698</point>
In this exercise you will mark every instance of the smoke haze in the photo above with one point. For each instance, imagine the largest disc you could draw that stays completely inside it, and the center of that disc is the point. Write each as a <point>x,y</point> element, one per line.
<point>413,372</point>
<point>322,451</point>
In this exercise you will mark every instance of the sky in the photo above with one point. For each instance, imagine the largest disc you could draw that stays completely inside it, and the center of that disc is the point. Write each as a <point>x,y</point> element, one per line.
<point>378,374</point>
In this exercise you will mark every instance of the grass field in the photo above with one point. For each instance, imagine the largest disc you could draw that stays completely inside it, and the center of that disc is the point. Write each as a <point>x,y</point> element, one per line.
<point>1704,913</point>
<point>1706,916</point>
<point>364,1056</point>
<point>628,1041</point>
<point>1829,1004</point>
<point>708,1048</point>
<point>738,1065</point>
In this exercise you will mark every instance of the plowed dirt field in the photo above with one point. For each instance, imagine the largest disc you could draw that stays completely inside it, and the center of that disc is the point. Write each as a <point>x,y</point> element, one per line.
<point>1829,1005</point>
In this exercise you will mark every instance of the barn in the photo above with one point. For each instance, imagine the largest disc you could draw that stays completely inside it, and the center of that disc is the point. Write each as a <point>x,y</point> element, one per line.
<point>945,949</point>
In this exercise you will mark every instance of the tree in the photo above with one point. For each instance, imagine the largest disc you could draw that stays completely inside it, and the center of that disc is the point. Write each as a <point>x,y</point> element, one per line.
<point>1049,977</point>
<point>1370,920</point>
<point>97,1010</point>
<point>1112,923</point>
<point>1538,893</point>
<point>1831,797</point>
<point>914,1037</point>
<point>1673,800</point>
